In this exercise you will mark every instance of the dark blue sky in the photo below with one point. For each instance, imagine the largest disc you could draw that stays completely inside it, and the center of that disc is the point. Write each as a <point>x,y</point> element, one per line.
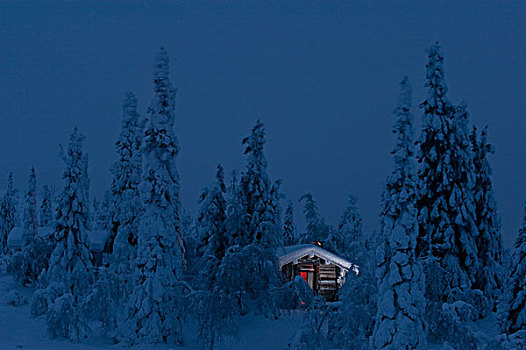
<point>322,75</point>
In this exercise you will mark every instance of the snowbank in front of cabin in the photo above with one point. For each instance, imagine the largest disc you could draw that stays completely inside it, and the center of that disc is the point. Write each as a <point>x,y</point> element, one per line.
<point>19,331</point>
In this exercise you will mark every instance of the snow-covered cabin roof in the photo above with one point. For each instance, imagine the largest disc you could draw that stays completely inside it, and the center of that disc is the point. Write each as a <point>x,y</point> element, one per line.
<point>14,240</point>
<point>97,239</point>
<point>291,254</point>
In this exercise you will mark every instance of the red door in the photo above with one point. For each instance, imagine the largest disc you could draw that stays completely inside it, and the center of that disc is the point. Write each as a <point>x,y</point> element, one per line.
<point>304,276</point>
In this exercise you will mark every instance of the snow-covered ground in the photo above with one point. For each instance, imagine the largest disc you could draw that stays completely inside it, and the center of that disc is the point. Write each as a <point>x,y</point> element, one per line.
<point>19,331</point>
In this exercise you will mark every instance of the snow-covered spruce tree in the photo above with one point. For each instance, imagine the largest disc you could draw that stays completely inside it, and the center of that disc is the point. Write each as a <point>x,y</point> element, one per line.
<point>461,200</point>
<point>259,233</point>
<point>46,208</point>
<point>489,277</point>
<point>8,213</point>
<point>216,310</point>
<point>69,265</point>
<point>351,320</point>
<point>28,263</point>
<point>155,307</point>
<point>315,227</point>
<point>512,312</point>
<point>101,213</point>
<point>348,239</point>
<point>401,303</point>
<point>434,154</point>
<point>289,230</point>
<point>30,220</point>
<point>211,219</point>
<point>259,196</point>
<point>447,230</point>
<point>85,182</point>
<point>125,185</point>
<point>351,324</point>
<point>234,210</point>
<point>190,243</point>
<point>119,213</point>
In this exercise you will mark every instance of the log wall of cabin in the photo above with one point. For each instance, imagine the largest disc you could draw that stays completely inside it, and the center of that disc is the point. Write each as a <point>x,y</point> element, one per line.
<point>326,276</point>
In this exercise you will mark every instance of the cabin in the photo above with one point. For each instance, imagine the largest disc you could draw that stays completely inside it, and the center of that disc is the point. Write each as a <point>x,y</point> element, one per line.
<point>323,270</point>
<point>98,241</point>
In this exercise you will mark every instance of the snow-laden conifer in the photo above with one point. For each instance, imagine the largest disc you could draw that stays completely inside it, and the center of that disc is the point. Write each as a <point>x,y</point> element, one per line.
<point>489,276</point>
<point>101,213</point>
<point>125,185</point>
<point>352,321</point>
<point>71,254</point>
<point>447,230</point>
<point>461,200</point>
<point>234,210</point>
<point>289,230</point>
<point>69,264</point>
<point>401,303</point>
<point>348,239</point>
<point>513,310</point>
<point>211,219</point>
<point>256,232</point>
<point>216,308</point>
<point>30,220</point>
<point>47,217</point>
<point>315,227</point>
<point>434,155</point>
<point>28,263</point>
<point>155,307</point>
<point>8,213</point>
<point>259,195</point>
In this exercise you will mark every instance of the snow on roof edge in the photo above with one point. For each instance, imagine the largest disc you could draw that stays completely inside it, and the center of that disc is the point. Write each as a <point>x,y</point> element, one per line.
<point>290,254</point>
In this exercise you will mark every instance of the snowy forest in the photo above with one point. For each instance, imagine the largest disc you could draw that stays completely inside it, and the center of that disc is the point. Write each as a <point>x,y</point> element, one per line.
<point>135,269</point>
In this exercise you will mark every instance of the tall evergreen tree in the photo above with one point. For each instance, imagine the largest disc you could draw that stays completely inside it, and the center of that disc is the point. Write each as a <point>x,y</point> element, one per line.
<point>259,196</point>
<point>211,220</point>
<point>447,229</point>
<point>315,227</point>
<point>8,213</point>
<point>28,263</point>
<point>85,183</point>
<point>489,277</point>
<point>101,213</point>
<point>46,208</point>
<point>155,306</point>
<point>289,230</point>
<point>513,311</point>
<point>30,212</point>
<point>352,323</point>
<point>70,264</point>
<point>257,230</point>
<point>461,200</point>
<point>234,210</point>
<point>125,185</point>
<point>434,146</point>
<point>348,239</point>
<point>216,310</point>
<point>401,304</point>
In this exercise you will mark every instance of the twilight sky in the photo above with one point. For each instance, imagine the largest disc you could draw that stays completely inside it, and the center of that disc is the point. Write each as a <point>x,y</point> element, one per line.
<point>322,75</point>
